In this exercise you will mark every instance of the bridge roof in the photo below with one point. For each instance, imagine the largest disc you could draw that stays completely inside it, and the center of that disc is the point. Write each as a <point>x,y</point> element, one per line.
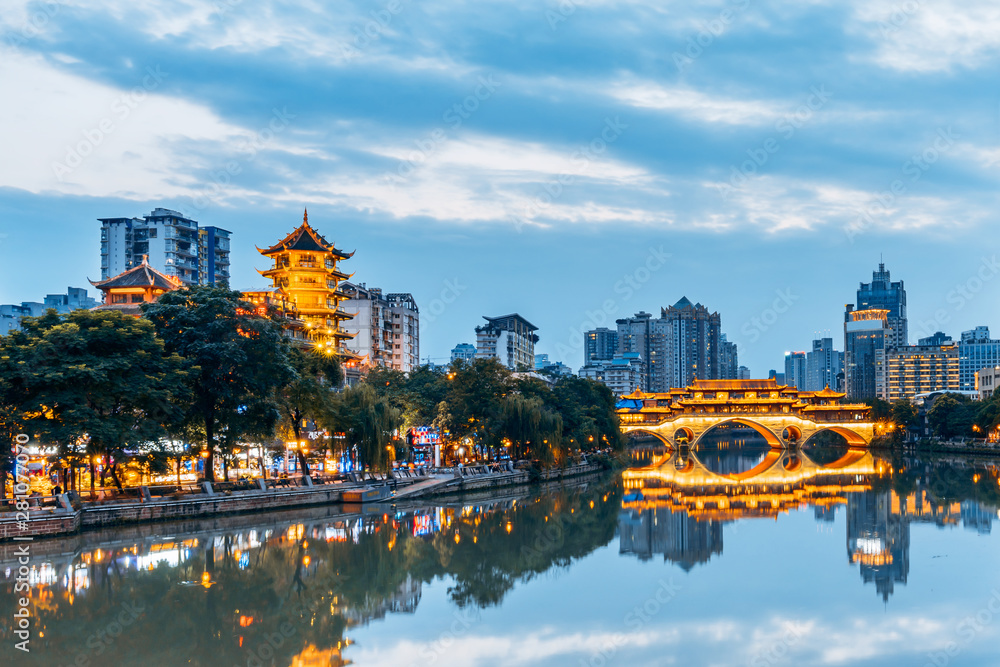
<point>736,385</point>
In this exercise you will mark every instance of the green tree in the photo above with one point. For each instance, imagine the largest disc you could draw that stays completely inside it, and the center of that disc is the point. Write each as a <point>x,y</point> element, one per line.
<point>588,411</point>
<point>988,416</point>
<point>881,410</point>
<point>238,361</point>
<point>99,377</point>
<point>310,394</point>
<point>473,408</point>
<point>952,415</point>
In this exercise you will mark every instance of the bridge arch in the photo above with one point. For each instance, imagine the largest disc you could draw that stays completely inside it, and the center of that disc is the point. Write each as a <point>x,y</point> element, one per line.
<point>853,438</point>
<point>768,435</point>
<point>649,432</point>
<point>791,434</point>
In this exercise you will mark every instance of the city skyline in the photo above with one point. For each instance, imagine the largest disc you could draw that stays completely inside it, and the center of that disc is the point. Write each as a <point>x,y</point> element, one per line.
<point>696,150</point>
<point>759,337</point>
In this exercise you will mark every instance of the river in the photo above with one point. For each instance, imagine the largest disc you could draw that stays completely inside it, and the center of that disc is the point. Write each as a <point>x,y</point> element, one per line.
<point>715,557</point>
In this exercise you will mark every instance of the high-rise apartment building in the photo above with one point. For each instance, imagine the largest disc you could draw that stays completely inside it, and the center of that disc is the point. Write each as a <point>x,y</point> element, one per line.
<point>213,256</point>
<point>600,344</point>
<point>919,369</point>
<point>795,370</point>
<point>172,243</point>
<point>729,359</point>
<point>865,335</point>
<point>694,343</point>
<point>682,345</point>
<point>976,351</point>
<point>510,339</point>
<point>464,351</point>
<point>824,366</point>
<point>623,374</point>
<point>883,294</point>
<point>385,329</point>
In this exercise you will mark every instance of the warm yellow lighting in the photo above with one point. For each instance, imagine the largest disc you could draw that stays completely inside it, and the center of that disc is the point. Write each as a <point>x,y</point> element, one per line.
<point>510,527</point>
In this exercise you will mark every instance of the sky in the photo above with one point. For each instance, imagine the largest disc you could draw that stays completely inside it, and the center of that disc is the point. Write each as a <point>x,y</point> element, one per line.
<point>573,161</point>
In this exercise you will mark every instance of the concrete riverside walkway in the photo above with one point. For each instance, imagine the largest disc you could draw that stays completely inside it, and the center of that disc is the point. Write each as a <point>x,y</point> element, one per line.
<point>420,488</point>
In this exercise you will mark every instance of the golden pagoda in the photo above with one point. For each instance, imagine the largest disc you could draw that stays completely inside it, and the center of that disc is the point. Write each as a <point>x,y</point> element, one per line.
<point>304,271</point>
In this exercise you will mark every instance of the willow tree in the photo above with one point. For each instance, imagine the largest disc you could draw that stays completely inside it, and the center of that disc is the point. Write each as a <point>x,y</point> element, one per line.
<point>310,394</point>
<point>367,422</point>
<point>530,428</point>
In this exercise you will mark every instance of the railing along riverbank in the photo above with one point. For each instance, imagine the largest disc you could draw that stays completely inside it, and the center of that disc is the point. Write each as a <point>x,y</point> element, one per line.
<point>68,513</point>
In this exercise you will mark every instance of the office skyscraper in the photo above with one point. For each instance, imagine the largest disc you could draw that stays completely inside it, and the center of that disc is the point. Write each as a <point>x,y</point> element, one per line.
<point>823,365</point>
<point>795,370</point>
<point>865,336</point>
<point>883,294</point>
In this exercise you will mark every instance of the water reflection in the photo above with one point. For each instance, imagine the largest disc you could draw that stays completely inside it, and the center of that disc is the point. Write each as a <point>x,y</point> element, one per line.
<point>298,588</point>
<point>677,505</point>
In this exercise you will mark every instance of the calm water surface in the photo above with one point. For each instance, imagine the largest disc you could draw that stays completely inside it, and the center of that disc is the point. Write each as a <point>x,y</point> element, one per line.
<point>719,556</point>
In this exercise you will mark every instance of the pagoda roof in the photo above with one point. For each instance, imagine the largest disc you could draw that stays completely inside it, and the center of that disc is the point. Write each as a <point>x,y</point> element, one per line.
<point>141,276</point>
<point>826,393</point>
<point>305,238</point>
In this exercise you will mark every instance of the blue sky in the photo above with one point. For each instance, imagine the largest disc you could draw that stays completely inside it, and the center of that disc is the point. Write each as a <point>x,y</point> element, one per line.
<point>573,161</point>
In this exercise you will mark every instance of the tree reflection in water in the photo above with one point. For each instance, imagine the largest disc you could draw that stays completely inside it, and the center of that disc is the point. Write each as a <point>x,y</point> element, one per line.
<point>288,593</point>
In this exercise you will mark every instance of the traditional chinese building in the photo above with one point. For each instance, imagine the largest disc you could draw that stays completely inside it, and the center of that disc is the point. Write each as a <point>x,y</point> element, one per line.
<point>783,415</point>
<point>129,290</point>
<point>306,278</point>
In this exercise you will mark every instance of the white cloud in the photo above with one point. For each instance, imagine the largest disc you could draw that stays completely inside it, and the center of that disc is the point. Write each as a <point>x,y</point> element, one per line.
<point>925,36</point>
<point>693,104</point>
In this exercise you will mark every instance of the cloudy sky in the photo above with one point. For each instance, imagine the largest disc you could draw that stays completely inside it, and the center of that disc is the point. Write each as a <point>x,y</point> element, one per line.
<point>573,161</point>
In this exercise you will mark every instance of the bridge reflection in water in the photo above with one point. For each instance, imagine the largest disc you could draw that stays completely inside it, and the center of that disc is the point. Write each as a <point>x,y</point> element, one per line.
<point>678,504</point>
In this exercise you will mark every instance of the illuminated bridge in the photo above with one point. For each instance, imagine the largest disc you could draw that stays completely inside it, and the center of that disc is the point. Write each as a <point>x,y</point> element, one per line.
<point>784,416</point>
<point>783,479</point>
